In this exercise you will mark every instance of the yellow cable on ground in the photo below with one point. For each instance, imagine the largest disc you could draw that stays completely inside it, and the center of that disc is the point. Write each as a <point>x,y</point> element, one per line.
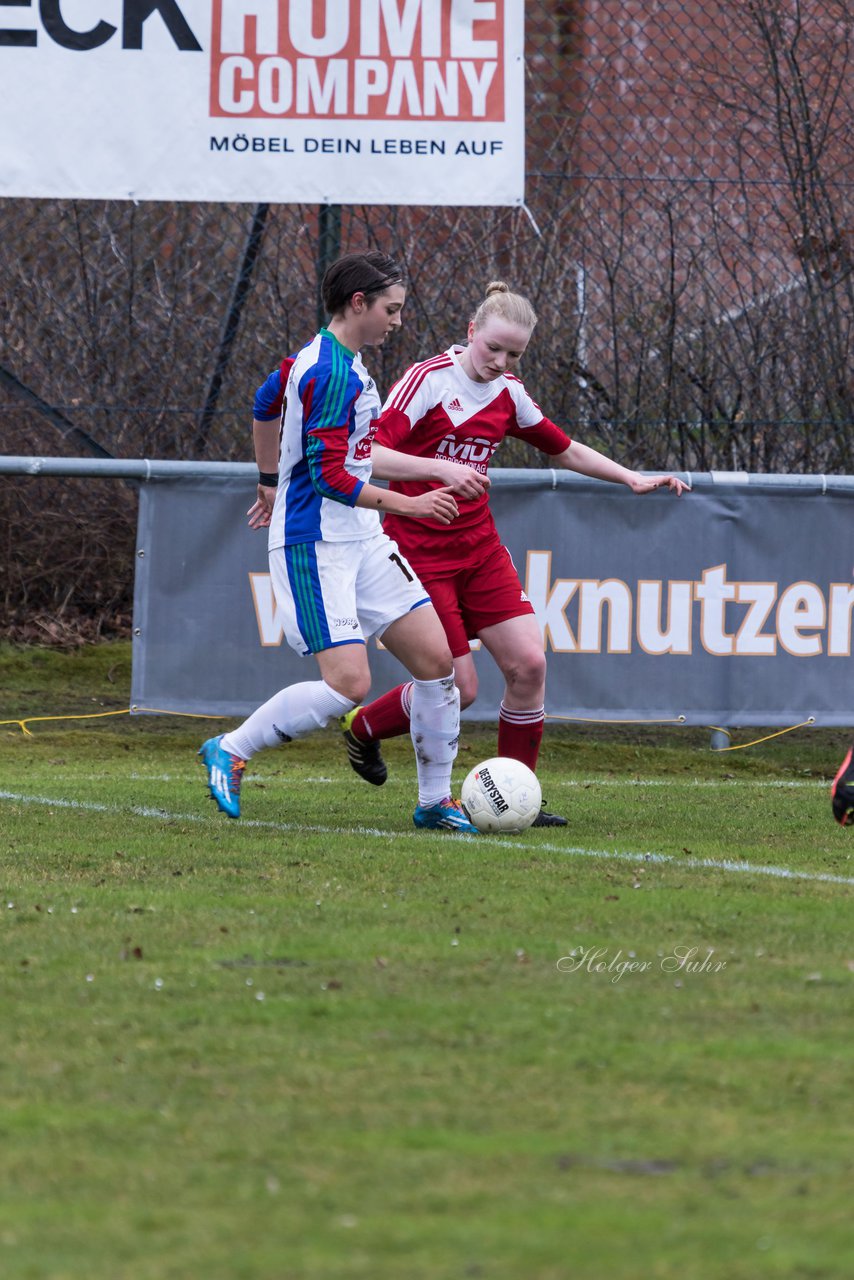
<point>99,715</point>
<point>681,720</point>
<point>741,745</point>
<point>198,715</point>
<point>94,715</point>
<point>599,720</point>
<point>191,715</point>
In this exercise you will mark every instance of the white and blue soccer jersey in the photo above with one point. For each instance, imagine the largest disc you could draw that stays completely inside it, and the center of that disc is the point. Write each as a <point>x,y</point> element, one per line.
<point>330,413</point>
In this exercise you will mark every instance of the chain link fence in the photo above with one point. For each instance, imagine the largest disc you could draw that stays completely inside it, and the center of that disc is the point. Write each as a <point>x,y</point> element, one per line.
<point>687,242</point>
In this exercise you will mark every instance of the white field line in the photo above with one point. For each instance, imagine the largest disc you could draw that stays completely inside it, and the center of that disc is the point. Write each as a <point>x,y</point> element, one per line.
<point>723,783</point>
<point>516,843</point>
<point>186,777</point>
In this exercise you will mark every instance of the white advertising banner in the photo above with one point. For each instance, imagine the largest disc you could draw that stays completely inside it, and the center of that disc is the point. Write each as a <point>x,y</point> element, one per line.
<point>287,101</point>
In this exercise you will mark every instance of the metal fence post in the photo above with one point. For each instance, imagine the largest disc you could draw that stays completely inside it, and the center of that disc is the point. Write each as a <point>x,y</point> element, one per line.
<point>232,322</point>
<point>328,249</point>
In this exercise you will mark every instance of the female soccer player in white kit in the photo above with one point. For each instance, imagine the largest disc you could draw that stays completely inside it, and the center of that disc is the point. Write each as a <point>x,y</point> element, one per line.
<point>337,578</point>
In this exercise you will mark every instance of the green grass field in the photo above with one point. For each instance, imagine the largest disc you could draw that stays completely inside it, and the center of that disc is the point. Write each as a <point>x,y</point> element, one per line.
<point>316,1043</point>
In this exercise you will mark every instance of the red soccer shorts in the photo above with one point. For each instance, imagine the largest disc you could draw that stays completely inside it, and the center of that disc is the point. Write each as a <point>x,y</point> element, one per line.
<point>476,595</point>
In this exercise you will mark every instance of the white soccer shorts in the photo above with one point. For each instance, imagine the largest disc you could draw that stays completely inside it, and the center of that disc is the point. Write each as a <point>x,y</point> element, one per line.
<point>332,593</point>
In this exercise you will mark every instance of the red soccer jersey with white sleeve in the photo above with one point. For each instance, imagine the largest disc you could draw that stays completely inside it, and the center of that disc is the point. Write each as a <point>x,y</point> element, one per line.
<point>437,411</point>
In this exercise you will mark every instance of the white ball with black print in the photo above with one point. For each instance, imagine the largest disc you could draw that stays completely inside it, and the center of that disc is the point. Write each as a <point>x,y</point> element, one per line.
<point>501,796</point>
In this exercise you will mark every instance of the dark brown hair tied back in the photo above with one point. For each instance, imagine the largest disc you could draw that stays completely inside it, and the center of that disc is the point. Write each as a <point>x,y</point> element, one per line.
<point>368,273</point>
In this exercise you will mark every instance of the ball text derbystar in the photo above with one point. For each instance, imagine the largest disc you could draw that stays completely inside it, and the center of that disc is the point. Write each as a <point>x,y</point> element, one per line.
<point>493,791</point>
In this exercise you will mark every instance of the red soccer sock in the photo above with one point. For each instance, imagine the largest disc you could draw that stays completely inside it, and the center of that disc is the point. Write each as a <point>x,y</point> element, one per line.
<point>520,734</point>
<point>385,717</point>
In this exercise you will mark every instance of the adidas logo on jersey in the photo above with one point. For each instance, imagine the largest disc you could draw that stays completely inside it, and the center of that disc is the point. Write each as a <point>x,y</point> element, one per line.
<point>455,406</point>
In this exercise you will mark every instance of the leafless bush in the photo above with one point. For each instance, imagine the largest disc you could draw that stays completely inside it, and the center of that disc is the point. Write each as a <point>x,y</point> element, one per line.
<point>688,245</point>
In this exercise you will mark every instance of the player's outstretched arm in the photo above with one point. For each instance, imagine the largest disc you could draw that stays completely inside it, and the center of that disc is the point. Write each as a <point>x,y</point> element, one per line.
<point>388,464</point>
<point>589,462</point>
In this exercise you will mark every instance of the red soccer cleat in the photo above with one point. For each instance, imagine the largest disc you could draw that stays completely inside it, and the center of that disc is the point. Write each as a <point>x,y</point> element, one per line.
<point>842,792</point>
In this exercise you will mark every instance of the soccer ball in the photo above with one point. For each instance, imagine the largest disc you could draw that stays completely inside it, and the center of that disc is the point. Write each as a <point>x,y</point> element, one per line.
<point>501,795</point>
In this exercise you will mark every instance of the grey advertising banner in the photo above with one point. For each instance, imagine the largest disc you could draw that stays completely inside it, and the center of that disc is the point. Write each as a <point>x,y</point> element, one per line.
<point>729,606</point>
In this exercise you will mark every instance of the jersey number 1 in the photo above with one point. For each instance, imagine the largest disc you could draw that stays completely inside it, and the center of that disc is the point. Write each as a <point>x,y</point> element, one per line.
<point>404,569</point>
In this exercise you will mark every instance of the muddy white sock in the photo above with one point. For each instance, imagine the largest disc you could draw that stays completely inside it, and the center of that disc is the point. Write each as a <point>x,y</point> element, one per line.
<point>291,713</point>
<point>435,731</point>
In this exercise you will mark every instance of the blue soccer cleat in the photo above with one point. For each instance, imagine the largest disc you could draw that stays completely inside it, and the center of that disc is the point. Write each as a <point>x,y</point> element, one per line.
<point>225,774</point>
<point>447,815</point>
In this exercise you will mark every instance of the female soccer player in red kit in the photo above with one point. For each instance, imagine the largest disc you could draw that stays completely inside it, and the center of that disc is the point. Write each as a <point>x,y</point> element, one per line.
<point>469,396</point>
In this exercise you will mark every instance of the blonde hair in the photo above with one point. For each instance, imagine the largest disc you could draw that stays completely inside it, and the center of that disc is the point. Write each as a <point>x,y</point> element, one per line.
<point>500,301</point>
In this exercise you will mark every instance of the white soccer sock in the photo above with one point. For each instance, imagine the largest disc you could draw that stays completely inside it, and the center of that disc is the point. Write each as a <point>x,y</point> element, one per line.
<point>290,713</point>
<point>435,732</point>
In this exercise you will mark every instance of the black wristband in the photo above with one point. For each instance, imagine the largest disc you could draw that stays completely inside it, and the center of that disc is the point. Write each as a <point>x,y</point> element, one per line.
<point>269,479</point>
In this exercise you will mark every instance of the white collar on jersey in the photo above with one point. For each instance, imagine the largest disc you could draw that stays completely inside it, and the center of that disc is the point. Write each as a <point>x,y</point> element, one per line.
<point>477,390</point>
